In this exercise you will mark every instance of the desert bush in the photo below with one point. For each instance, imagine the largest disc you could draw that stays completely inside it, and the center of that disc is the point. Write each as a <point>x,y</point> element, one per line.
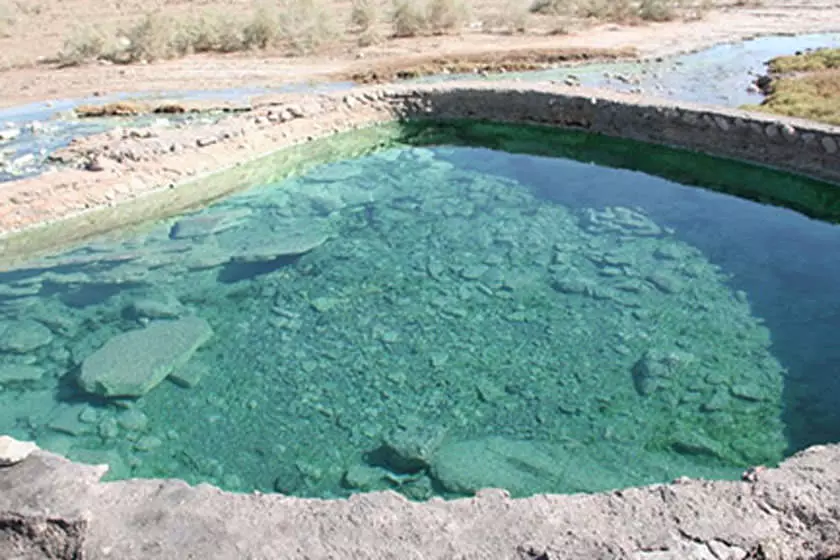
<point>447,15</point>
<point>607,10</point>
<point>409,18</point>
<point>8,18</point>
<point>262,30</point>
<point>436,17</point>
<point>658,10</point>
<point>306,25</point>
<point>85,44</point>
<point>207,32</point>
<point>512,18</point>
<point>364,19</point>
<point>552,7</point>
<point>153,38</point>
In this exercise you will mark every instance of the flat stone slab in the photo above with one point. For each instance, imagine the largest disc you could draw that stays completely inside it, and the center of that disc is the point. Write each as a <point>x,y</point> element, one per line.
<point>22,337</point>
<point>19,373</point>
<point>131,364</point>
<point>288,240</point>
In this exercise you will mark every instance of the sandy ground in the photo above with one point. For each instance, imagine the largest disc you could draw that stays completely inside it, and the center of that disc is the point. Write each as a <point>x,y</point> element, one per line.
<point>28,81</point>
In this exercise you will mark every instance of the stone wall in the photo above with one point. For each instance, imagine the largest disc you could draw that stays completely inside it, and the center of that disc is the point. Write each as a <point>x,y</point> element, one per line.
<point>790,144</point>
<point>108,178</point>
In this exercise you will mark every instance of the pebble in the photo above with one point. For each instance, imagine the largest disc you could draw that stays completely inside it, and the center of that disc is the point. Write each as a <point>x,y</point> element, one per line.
<point>147,443</point>
<point>108,428</point>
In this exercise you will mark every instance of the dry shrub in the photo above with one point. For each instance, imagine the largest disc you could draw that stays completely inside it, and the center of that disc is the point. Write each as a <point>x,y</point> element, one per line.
<point>306,25</point>
<point>658,10</point>
<point>553,7</point>
<point>409,18</point>
<point>153,38</point>
<point>364,19</point>
<point>435,17</point>
<point>447,15</point>
<point>262,30</point>
<point>208,32</point>
<point>85,44</point>
<point>8,18</point>
<point>512,18</point>
<point>607,10</point>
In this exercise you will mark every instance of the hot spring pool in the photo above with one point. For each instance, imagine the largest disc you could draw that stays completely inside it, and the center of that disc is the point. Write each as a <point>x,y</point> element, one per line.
<point>436,319</point>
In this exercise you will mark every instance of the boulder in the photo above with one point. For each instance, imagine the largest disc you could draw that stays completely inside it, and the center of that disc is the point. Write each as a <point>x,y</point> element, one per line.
<point>133,363</point>
<point>410,449</point>
<point>659,369</point>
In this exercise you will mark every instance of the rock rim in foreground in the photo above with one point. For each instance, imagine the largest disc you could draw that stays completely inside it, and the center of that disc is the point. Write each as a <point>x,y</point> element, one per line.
<point>789,512</point>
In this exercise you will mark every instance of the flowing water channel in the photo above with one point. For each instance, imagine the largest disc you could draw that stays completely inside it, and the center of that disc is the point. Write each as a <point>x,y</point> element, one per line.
<point>469,306</point>
<point>720,75</point>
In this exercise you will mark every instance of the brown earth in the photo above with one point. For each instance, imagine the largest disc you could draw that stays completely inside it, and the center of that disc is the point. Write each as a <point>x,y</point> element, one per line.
<point>39,30</point>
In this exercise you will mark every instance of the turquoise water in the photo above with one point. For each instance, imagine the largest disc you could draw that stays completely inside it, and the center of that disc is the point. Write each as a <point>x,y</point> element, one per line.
<point>440,319</point>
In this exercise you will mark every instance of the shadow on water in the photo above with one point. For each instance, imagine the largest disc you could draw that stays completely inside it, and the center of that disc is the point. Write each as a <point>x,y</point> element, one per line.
<point>784,261</point>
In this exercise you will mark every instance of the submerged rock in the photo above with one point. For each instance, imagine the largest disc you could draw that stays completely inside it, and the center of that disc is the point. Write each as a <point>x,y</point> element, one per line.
<point>365,478</point>
<point>658,369</point>
<point>287,242</point>
<point>410,449</point>
<point>19,373</point>
<point>21,337</point>
<point>522,467</point>
<point>13,451</point>
<point>157,308</point>
<point>207,224</point>
<point>133,363</point>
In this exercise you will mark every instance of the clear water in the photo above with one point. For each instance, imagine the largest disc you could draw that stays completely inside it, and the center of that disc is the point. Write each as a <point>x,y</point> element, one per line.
<point>720,75</point>
<point>444,318</point>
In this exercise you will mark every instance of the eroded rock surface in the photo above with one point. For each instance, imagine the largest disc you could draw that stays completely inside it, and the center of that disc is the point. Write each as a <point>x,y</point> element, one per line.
<point>789,512</point>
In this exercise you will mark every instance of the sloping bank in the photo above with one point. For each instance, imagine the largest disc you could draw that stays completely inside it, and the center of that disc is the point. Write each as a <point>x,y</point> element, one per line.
<point>163,172</point>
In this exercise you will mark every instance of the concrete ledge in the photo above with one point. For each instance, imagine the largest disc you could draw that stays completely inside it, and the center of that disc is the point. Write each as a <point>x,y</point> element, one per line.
<point>789,512</point>
<point>112,173</point>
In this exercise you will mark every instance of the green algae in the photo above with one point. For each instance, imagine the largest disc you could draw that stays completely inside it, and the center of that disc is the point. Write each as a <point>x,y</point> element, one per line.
<point>466,318</point>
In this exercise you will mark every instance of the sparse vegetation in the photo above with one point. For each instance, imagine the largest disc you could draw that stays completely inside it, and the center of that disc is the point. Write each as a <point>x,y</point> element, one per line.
<point>805,86</point>
<point>85,44</point>
<point>306,25</point>
<point>622,11</point>
<point>512,18</point>
<point>262,30</point>
<point>309,26</point>
<point>7,18</point>
<point>821,59</point>
<point>658,10</point>
<point>428,17</point>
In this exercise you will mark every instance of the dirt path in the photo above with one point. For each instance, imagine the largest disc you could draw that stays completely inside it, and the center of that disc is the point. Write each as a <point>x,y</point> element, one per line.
<point>39,83</point>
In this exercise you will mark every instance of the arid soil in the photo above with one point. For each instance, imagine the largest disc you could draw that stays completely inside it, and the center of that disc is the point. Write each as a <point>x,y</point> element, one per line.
<point>38,36</point>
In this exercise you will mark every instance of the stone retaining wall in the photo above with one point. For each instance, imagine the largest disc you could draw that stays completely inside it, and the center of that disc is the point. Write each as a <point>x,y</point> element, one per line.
<point>110,176</point>
<point>791,144</point>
